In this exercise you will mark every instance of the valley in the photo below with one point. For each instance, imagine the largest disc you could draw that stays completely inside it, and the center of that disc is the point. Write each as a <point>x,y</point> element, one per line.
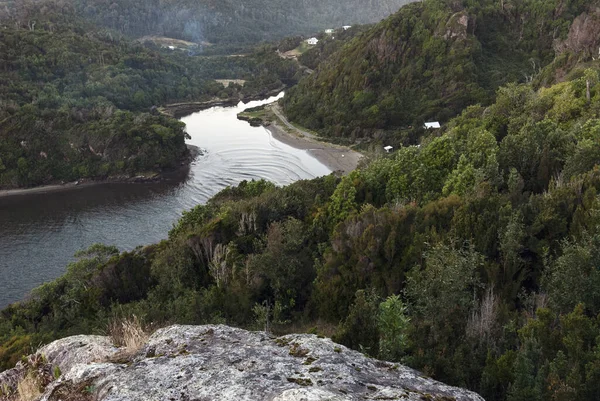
<point>132,215</point>
<point>426,193</point>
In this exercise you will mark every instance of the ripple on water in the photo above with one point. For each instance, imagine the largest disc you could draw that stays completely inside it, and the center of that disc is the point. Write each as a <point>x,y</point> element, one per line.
<point>39,234</point>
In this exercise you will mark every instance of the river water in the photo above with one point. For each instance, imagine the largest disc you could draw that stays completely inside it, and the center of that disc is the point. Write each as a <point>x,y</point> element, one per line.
<point>40,233</point>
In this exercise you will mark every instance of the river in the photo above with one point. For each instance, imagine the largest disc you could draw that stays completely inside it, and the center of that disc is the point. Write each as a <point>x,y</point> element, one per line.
<point>40,233</point>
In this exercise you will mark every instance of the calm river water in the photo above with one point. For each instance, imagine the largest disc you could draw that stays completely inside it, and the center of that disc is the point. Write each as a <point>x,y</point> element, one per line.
<point>40,233</point>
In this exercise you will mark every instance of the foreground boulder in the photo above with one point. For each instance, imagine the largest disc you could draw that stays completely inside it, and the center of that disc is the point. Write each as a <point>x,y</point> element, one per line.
<point>220,363</point>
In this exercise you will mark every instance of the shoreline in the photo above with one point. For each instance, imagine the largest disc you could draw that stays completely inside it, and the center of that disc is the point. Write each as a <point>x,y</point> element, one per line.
<point>338,158</point>
<point>86,183</point>
<point>179,110</point>
<point>89,182</point>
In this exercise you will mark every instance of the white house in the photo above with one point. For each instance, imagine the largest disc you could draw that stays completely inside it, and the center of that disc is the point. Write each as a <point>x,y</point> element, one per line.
<point>388,148</point>
<point>312,41</point>
<point>329,31</point>
<point>432,125</point>
<point>346,27</point>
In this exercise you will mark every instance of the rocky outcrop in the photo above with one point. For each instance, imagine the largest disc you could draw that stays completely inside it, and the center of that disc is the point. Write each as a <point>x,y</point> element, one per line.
<point>584,36</point>
<point>224,363</point>
<point>457,27</point>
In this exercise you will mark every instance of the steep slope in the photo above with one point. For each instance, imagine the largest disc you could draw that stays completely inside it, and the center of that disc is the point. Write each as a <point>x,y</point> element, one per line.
<point>429,61</point>
<point>217,21</point>
<point>219,363</point>
<point>76,104</point>
<point>79,102</point>
<point>472,258</point>
<point>578,51</point>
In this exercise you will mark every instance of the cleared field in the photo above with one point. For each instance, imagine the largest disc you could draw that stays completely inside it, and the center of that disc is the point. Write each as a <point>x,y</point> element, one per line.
<point>226,82</point>
<point>177,43</point>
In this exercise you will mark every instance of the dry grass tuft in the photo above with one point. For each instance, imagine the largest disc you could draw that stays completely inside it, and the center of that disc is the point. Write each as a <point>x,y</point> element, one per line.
<point>29,388</point>
<point>128,333</point>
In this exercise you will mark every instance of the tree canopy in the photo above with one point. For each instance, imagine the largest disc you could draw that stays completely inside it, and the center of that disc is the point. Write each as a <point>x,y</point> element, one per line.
<point>429,61</point>
<point>80,102</point>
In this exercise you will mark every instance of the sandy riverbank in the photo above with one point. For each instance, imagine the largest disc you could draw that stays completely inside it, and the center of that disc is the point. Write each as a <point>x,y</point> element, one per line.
<point>337,158</point>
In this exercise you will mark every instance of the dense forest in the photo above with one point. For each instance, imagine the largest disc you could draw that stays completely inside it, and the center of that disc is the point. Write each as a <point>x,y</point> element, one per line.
<point>221,21</point>
<point>78,102</point>
<point>329,45</point>
<point>431,60</point>
<point>472,257</point>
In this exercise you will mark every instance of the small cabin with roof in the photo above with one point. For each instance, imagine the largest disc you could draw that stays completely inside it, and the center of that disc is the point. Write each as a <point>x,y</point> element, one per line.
<point>312,41</point>
<point>432,125</point>
<point>388,149</point>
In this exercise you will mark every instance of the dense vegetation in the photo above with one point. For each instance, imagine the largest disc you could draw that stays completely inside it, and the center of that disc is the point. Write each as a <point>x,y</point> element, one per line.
<point>221,21</point>
<point>329,45</point>
<point>473,257</point>
<point>76,102</point>
<point>428,62</point>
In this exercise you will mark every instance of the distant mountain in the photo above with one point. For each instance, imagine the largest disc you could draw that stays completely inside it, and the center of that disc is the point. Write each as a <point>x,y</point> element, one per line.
<point>216,20</point>
<point>428,62</point>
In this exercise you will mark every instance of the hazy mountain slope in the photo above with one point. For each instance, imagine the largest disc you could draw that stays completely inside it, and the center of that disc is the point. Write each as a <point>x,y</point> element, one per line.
<point>222,20</point>
<point>75,103</point>
<point>429,61</point>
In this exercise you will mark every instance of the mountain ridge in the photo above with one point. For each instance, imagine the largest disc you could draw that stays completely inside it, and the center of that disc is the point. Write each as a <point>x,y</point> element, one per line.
<point>217,21</point>
<point>428,62</point>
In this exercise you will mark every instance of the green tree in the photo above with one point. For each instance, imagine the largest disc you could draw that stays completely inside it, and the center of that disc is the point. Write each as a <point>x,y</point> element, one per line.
<point>529,374</point>
<point>511,239</point>
<point>442,294</point>
<point>360,328</point>
<point>392,323</point>
<point>343,201</point>
<point>574,277</point>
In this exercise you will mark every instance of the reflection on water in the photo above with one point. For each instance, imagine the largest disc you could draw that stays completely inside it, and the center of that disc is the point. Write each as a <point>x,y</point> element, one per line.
<point>40,233</point>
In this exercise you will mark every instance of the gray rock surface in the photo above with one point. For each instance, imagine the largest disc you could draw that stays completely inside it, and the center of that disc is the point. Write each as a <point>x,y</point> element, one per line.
<point>194,363</point>
<point>76,350</point>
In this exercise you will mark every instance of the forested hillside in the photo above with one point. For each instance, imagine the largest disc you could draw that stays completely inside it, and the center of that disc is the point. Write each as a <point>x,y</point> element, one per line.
<point>472,258</point>
<point>429,61</point>
<point>219,21</point>
<point>76,101</point>
<point>330,44</point>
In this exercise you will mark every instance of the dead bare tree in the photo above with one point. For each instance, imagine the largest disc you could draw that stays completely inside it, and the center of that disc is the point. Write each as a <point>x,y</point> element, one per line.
<point>247,224</point>
<point>247,271</point>
<point>217,266</point>
<point>481,322</point>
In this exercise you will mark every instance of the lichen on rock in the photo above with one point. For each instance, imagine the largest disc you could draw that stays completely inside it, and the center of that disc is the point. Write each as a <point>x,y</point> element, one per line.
<point>218,362</point>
